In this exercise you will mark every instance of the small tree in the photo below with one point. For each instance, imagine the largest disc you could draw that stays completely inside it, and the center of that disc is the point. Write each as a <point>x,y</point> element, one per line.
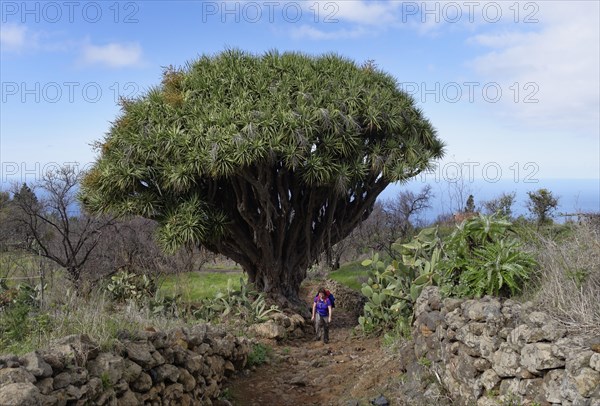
<point>541,205</point>
<point>268,159</point>
<point>501,205</point>
<point>470,205</point>
<point>52,224</point>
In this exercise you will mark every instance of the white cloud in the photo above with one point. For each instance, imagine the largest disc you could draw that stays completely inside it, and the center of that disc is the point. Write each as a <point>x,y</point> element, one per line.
<point>357,11</point>
<point>306,31</point>
<point>112,55</point>
<point>14,37</point>
<point>561,58</point>
<point>360,18</point>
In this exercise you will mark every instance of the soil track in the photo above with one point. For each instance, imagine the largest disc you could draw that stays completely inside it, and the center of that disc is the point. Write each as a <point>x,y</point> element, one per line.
<point>307,372</point>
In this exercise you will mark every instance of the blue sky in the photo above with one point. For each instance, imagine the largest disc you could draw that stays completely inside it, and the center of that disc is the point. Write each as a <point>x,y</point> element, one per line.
<point>512,87</point>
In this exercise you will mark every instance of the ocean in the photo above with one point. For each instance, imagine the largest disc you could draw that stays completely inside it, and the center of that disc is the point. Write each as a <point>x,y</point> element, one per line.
<point>574,195</point>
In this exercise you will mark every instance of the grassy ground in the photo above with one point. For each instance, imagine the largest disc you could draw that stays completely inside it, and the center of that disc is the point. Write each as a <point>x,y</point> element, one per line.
<point>198,285</point>
<point>350,274</point>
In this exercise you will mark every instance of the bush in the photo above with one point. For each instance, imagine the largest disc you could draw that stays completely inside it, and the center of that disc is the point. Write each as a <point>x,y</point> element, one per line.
<point>22,324</point>
<point>259,354</point>
<point>125,286</point>
<point>387,298</point>
<point>497,268</point>
<point>244,303</point>
<point>482,256</point>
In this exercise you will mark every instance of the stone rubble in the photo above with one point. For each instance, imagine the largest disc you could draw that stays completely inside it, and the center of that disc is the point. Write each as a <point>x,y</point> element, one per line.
<point>184,366</point>
<point>492,351</point>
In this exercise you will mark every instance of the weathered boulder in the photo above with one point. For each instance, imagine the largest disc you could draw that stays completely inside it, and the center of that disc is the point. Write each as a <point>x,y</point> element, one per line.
<point>143,383</point>
<point>587,381</point>
<point>487,309</point>
<point>9,361</point>
<point>539,356</point>
<point>141,353</point>
<point>595,361</point>
<point>131,370</point>
<point>34,363</point>
<point>269,329</point>
<point>166,372</point>
<point>186,379</point>
<point>128,399</point>
<point>489,379</point>
<point>505,361</point>
<point>46,385</point>
<point>107,366</point>
<point>15,375</point>
<point>20,393</point>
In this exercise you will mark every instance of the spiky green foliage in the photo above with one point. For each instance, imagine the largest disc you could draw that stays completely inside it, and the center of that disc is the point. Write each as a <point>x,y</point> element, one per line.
<point>267,159</point>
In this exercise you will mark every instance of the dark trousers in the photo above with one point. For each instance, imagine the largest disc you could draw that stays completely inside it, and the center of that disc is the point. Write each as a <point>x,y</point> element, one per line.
<point>322,327</point>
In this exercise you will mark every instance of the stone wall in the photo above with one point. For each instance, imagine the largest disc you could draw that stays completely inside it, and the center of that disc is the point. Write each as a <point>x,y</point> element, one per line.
<point>184,366</point>
<point>500,352</point>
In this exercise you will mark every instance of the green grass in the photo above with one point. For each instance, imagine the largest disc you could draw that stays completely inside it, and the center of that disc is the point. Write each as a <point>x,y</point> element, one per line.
<point>222,266</point>
<point>198,285</point>
<point>349,274</point>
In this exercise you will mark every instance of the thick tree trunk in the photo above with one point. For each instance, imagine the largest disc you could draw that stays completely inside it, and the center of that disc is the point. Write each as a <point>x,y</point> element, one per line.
<point>280,279</point>
<point>279,227</point>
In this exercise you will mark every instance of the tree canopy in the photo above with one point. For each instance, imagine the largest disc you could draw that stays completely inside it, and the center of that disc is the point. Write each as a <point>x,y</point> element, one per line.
<point>268,159</point>
<point>541,204</point>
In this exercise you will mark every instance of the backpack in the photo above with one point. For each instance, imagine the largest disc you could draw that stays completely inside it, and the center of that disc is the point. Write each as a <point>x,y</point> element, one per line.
<point>328,295</point>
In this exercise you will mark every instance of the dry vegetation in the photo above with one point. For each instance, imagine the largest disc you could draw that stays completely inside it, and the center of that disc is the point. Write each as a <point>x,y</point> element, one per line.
<point>569,283</point>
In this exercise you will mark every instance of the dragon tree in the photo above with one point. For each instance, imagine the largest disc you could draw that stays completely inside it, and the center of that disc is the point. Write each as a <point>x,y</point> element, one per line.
<point>267,159</point>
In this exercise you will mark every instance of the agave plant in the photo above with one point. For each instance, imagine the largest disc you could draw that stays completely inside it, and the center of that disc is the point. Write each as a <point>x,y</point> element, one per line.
<point>499,268</point>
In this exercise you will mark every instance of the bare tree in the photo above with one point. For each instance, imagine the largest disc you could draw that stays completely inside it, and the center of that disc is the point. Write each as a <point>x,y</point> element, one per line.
<point>393,219</point>
<point>406,206</point>
<point>54,225</point>
<point>501,205</point>
<point>129,245</point>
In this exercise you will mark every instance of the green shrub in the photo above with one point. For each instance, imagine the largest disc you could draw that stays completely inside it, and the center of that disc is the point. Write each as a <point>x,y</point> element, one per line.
<point>259,354</point>
<point>388,299</point>
<point>126,286</point>
<point>244,303</point>
<point>497,268</point>
<point>22,324</point>
<point>482,256</point>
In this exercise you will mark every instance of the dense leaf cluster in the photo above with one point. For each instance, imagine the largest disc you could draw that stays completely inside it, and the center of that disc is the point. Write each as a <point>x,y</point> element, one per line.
<point>269,159</point>
<point>325,119</point>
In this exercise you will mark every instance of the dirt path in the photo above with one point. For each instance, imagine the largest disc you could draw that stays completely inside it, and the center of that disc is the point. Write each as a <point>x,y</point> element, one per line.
<point>307,372</point>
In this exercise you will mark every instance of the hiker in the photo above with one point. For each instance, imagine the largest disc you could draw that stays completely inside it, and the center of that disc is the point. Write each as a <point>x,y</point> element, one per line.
<point>321,315</point>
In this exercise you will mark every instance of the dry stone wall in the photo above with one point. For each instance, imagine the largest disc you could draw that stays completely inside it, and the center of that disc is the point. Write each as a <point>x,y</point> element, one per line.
<point>184,366</point>
<point>499,352</point>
